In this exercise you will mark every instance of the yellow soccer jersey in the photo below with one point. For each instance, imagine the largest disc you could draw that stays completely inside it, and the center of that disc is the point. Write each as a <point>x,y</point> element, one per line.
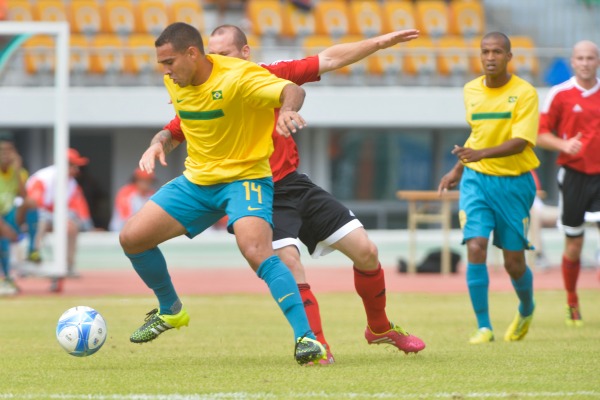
<point>9,188</point>
<point>497,115</point>
<point>228,121</point>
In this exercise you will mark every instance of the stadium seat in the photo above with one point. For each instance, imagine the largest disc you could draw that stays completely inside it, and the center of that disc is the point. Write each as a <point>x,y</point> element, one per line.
<point>20,10</point>
<point>84,17</point>
<point>296,22</point>
<point>432,17</point>
<point>141,54</point>
<point>107,54</point>
<point>453,57</point>
<point>331,18</point>
<point>118,17</point>
<point>524,62</point>
<point>265,17</point>
<point>188,11</point>
<point>39,54</point>
<point>49,10</point>
<point>79,54</point>
<point>466,18</point>
<point>365,18</point>
<point>474,48</point>
<point>387,63</point>
<point>419,57</point>
<point>398,15</point>
<point>151,17</point>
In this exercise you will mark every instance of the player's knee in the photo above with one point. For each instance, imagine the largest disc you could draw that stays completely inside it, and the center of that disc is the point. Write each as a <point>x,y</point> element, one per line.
<point>291,259</point>
<point>128,240</point>
<point>368,257</point>
<point>477,251</point>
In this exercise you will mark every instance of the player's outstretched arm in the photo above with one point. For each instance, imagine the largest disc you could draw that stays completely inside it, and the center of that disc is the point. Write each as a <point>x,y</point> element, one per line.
<point>162,144</point>
<point>289,121</point>
<point>343,54</point>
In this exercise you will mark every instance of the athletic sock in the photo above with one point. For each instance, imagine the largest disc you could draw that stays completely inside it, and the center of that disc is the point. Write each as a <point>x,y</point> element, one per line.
<point>570,272</point>
<point>370,286</point>
<point>311,306</point>
<point>478,283</point>
<point>284,290</point>
<point>151,266</point>
<point>524,288</point>
<point>31,218</point>
<point>5,257</point>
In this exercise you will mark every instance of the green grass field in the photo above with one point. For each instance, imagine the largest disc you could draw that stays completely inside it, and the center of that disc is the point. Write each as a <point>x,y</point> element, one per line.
<point>240,347</point>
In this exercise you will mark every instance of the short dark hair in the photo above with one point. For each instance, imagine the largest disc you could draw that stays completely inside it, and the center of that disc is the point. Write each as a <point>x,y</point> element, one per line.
<point>499,35</point>
<point>239,37</point>
<point>181,36</point>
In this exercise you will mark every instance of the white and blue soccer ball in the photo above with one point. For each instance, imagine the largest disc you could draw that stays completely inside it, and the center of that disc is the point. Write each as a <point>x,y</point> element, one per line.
<point>81,331</point>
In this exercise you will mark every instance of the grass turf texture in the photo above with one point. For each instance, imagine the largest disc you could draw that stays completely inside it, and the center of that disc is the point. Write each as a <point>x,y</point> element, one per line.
<point>240,347</point>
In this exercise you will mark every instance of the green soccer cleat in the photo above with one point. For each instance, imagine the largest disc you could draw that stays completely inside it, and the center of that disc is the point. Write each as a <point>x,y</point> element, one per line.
<point>518,328</point>
<point>573,317</point>
<point>158,323</point>
<point>309,350</point>
<point>482,335</point>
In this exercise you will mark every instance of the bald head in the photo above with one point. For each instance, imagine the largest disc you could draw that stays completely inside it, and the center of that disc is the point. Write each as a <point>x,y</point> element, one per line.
<point>585,61</point>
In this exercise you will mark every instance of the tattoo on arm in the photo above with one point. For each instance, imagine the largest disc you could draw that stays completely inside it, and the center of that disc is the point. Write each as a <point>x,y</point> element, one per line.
<point>165,138</point>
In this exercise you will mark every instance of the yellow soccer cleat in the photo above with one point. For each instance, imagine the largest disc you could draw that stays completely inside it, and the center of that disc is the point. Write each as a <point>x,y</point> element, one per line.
<point>482,335</point>
<point>157,323</point>
<point>573,317</point>
<point>518,328</point>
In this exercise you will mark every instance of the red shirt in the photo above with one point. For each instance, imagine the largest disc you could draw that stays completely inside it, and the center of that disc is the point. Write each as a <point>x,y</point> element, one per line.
<point>284,159</point>
<point>570,109</point>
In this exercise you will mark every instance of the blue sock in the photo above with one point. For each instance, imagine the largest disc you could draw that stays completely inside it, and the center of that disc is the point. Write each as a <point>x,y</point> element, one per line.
<point>285,291</point>
<point>152,268</point>
<point>5,256</point>
<point>478,282</point>
<point>524,288</point>
<point>31,218</point>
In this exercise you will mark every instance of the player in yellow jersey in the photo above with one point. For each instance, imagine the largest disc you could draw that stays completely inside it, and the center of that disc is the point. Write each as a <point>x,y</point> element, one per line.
<point>226,107</point>
<point>15,209</point>
<point>496,186</point>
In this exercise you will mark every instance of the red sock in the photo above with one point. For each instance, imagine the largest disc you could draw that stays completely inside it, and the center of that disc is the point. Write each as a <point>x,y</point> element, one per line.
<point>570,271</point>
<point>311,306</point>
<point>370,286</point>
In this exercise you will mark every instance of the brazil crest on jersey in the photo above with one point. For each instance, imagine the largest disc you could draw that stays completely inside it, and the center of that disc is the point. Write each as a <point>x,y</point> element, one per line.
<point>227,121</point>
<point>497,115</point>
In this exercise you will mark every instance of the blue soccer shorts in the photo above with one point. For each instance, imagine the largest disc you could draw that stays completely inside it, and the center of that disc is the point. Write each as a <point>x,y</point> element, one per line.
<point>198,207</point>
<point>498,204</point>
<point>11,219</point>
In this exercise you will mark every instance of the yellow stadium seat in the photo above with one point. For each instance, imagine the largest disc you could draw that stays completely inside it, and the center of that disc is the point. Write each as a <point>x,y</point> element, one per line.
<point>141,54</point>
<point>84,16</point>
<point>386,62</point>
<point>365,18</point>
<point>188,11</point>
<point>118,17</point>
<point>453,57</point>
<point>107,54</point>
<point>151,16</point>
<point>398,15</point>
<point>39,54</point>
<point>20,10</point>
<point>296,22</point>
<point>467,18</point>
<point>266,17</point>
<point>419,57</point>
<point>432,17</point>
<point>79,54</point>
<point>49,10</point>
<point>331,18</point>
<point>524,61</point>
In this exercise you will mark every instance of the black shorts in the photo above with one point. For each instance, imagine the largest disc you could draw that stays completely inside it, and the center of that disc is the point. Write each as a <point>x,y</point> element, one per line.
<point>579,193</point>
<point>304,211</point>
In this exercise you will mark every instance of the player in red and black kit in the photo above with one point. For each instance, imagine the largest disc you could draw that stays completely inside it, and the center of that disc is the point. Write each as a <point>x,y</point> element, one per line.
<point>304,212</point>
<point>570,124</point>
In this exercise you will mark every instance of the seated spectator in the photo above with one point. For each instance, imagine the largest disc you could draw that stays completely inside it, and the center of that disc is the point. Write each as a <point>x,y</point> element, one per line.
<point>131,197</point>
<point>15,210</point>
<point>41,185</point>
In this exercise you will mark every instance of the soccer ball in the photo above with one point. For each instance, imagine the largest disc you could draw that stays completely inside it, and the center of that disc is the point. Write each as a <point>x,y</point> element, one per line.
<point>81,331</point>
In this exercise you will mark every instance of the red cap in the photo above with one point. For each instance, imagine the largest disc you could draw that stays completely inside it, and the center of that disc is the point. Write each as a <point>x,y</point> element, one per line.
<point>139,174</point>
<point>76,159</point>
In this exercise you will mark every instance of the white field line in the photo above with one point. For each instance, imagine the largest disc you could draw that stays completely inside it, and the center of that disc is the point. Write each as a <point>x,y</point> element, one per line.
<point>309,395</point>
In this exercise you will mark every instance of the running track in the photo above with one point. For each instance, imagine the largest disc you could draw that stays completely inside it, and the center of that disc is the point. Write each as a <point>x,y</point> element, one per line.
<point>322,280</point>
